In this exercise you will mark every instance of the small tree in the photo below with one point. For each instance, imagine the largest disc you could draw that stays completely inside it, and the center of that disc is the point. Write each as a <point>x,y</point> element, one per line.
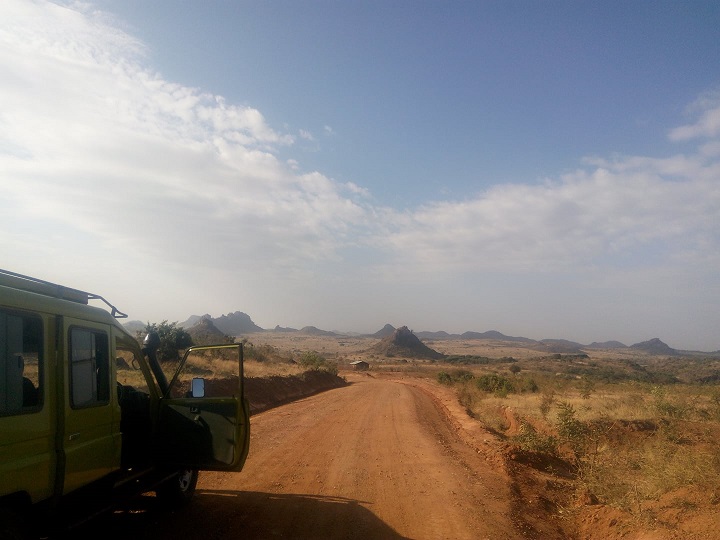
<point>570,429</point>
<point>314,361</point>
<point>173,338</point>
<point>492,382</point>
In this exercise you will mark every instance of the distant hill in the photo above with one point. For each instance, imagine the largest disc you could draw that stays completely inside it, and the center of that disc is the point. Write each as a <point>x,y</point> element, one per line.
<point>655,346</point>
<point>607,345</point>
<point>311,330</point>
<point>232,324</point>
<point>235,324</point>
<point>436,335</point>
<point>134,327</point>
<point>279,328</point>
<point>560,346</point>
<point>385,331</point>
<point>238,323</point>
<point>206,333</point>
<point>405,344</point>
<point>193,320</point>
<point>494,334</point>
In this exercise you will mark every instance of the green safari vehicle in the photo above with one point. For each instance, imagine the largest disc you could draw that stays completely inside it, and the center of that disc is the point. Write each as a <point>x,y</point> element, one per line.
<point>88,415</point>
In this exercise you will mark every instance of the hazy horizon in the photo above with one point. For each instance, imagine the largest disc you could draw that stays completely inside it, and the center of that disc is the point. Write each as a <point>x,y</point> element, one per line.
<point>351,331</point>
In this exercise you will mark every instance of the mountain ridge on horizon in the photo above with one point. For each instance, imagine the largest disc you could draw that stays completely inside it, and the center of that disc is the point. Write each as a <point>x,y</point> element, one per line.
<point>237,323</point>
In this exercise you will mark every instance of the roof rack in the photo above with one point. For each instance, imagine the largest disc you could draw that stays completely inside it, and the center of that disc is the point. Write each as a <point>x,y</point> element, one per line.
<point>39,286</point>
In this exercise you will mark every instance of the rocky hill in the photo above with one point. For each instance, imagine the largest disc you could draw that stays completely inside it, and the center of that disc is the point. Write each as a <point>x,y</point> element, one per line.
<point>434,335</point>
<point>238,323</point>
<point>607,345</point>
<point>193,320</point>
<point>559,346</point>
<point>405,344</point>
<point>385,331</point>
<point>655,346</point>
<point>313,331</point>
<point>279,328</point>
<point>233,324</point>
<point>204,332</point>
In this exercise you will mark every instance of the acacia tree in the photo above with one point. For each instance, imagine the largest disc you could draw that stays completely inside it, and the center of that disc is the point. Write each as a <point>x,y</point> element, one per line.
<point>173,338</point>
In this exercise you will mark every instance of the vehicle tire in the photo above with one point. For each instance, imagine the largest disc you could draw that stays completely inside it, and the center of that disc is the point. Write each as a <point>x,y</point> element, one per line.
<point>11,525</point>
<point>179,490</point>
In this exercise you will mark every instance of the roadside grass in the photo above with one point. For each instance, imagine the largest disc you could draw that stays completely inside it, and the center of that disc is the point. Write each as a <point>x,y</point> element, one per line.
<point>265,361</point>
<point>259,361</point>
<point>627,442</point>
<point>253,368</point>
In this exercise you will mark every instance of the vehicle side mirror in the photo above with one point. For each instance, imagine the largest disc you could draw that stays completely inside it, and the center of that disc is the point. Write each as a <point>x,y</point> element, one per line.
<point>197,388</point>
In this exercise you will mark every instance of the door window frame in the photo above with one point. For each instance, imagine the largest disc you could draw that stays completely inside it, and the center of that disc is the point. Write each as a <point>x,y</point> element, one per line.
<point>100,384</point>
<point>39,342</point>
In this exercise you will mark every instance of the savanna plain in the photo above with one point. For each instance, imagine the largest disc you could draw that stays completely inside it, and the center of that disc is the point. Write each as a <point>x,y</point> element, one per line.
<point>494,440</point>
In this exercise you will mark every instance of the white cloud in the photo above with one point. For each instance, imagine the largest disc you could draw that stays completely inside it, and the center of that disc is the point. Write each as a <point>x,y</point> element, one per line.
<point>708,123</point>
<point>306,135</point>
<point>354,188</point>
<point>586,218</point>
<point>90,138</point>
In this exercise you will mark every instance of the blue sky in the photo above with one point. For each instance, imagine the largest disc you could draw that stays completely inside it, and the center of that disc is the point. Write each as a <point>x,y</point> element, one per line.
<point>444,98</point>
<point>546,169</point>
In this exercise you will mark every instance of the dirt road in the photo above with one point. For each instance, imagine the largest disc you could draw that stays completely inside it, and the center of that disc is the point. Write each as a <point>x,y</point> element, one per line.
<point>376,459</point>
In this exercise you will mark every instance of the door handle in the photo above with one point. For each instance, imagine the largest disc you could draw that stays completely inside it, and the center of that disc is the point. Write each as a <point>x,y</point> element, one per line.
<point>74,436</point>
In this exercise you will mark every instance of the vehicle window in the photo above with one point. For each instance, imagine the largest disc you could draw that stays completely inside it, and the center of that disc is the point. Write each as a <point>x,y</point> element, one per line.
<point>219,368</point>
<point>21,339</point>
<point>89,368</point>
<point>128,370</point>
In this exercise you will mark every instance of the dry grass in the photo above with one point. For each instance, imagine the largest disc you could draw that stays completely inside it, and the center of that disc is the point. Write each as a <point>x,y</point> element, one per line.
<point>630,437</point>
<point>628,443</point>
<point>271,369</point>
<point>260,361</point>
<point>639,433</point>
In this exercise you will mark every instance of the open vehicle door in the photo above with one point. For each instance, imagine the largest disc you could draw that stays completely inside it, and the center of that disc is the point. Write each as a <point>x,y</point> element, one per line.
<point>203,421</point>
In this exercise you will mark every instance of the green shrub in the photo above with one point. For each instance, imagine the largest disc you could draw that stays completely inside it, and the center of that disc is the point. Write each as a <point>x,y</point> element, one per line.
<point>570,429</point>
<point>462,375</point>
<point>314,361</point>
<point>528,385</point>
<point>173,338</point>
<point>497,384</point>
<point>548,398</point>
<point>587,387</point>
<point>259,353</point>
<point>664,407</point>
<point>531,441</point>
<point>466,359</point>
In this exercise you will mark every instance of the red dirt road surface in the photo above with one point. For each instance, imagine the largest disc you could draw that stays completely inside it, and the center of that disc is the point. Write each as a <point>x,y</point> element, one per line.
<point>376,459</point>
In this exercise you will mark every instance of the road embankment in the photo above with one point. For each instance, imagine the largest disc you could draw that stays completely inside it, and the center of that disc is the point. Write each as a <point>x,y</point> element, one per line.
<point>264,393</point>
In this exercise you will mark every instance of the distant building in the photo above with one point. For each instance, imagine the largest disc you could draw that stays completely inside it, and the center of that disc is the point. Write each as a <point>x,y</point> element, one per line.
<point>360,365</point>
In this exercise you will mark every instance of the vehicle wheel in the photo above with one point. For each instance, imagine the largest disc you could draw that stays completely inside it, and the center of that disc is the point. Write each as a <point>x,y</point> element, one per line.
<point>179,489</point>
<point>11,526</point>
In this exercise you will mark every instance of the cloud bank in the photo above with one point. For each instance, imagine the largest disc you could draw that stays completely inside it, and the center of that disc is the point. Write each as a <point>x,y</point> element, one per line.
<point>106,166</point>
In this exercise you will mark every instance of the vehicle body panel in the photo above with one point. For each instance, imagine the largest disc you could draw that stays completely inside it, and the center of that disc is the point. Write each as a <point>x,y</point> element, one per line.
<point>77,431</point>
<point>91,439</point>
